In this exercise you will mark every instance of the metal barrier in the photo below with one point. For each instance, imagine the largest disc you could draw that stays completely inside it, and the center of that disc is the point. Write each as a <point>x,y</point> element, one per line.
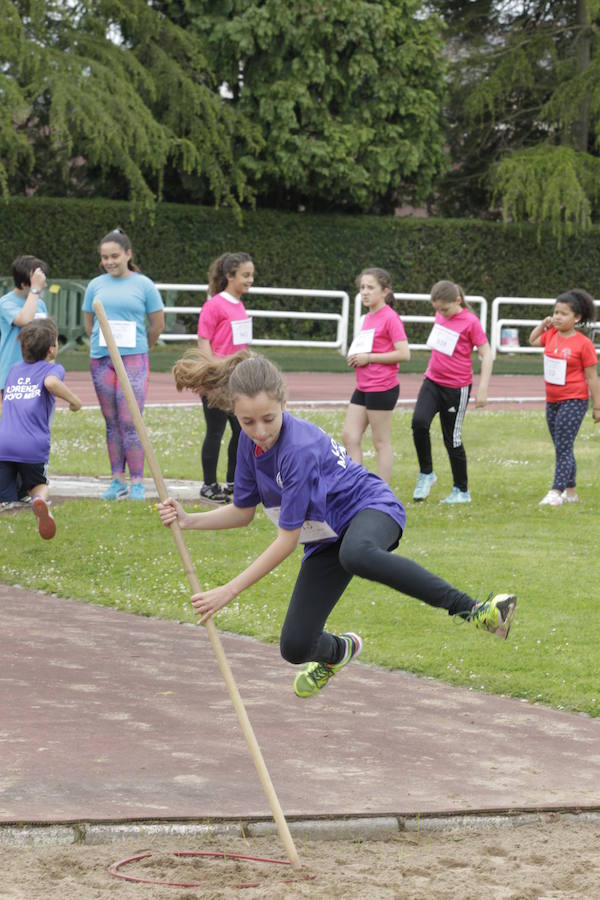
<point>341,319</point>
<point>497,323</point>
<point>470,298</point>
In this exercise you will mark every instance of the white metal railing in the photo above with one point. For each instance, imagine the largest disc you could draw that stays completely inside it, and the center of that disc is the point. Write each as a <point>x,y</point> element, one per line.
<point>497,323</point>
<point>341,318</point>
<point>470,298</point>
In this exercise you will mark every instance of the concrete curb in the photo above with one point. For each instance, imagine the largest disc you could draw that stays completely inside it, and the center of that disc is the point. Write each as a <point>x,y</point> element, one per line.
<point>350,828</point>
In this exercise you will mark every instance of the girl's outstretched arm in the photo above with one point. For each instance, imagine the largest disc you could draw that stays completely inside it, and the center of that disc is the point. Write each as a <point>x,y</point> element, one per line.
<point>229,516</point>
<point>207,603</point>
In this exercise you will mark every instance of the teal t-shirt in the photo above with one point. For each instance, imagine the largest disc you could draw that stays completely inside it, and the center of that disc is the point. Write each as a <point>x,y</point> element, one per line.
<point>10,349</point>
<point>126,301</point>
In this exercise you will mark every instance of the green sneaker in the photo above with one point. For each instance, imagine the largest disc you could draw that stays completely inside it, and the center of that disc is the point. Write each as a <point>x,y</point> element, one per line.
<point>315,676</point>
<point>495,614</point>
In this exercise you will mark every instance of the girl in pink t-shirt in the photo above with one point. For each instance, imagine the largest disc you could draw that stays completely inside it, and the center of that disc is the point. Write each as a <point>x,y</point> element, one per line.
<point>456,333</point>
<point>571,375</point>
<point>224,328</point>
<point>375,353</point>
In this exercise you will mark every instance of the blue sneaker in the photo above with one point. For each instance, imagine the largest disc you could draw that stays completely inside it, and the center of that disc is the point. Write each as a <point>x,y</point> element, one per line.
<point>137,491</point>
<point>424,484</point>
<point>457,496</point>
<point>117,490</point>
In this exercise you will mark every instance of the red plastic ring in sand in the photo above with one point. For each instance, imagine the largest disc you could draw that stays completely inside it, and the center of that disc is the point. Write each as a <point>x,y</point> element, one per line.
<point>116,866</point>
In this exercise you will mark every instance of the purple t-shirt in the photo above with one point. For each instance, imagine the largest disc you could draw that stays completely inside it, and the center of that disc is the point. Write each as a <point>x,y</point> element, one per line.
<point>307,480</point>
<point>27,412</point>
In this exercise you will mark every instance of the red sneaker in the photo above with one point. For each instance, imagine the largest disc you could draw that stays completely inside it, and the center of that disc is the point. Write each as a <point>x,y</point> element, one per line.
<point>46,523</point>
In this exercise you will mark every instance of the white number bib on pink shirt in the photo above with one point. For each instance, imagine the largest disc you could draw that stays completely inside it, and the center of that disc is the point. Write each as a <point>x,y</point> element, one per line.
<point>443,339</point>
<point>241,332</point>
<point>363,342</point>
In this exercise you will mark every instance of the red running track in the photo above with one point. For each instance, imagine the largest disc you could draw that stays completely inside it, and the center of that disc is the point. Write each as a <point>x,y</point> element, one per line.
<point>505,391</point>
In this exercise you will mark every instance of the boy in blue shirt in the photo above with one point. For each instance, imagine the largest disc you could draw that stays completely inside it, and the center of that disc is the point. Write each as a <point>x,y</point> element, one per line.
<point>20,306</point>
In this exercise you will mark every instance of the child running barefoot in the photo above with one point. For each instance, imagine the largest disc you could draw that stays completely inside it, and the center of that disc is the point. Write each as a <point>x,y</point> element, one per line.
<point>29,397</point>
<point>348,519</point>
<point>571,375</point>
<point>375,353</point>
<point>448,380</point>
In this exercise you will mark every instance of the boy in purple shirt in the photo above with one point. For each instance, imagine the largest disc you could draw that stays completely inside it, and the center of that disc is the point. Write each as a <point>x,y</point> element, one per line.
<point>347,517</point>
<point>27,413</point>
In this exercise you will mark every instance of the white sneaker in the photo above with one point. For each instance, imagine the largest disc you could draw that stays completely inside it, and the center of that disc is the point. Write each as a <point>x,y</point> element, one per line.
<point>569,498</point>
<point>552,498</point>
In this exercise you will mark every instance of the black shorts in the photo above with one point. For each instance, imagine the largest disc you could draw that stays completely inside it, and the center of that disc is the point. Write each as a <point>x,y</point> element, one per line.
<point>377,400</point>
<point>18,478</point>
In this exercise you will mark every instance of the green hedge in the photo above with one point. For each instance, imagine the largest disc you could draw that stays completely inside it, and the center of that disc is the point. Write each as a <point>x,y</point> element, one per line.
<point>300,250</point>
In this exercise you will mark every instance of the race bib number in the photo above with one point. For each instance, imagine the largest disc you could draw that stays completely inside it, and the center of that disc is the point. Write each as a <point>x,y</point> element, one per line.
<point>443,339</point>
<point>363,342</point>
<point>241,332</point>
<point>123,333</point>
<point>40,315</point>
<point>310,531</point>
<point>555,370</point>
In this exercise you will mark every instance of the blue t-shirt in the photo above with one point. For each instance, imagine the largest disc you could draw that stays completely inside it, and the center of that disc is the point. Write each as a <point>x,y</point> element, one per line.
<point>125,300</point>
<point>10,349</point>
<point>27,412</point>
<point>307,480</point>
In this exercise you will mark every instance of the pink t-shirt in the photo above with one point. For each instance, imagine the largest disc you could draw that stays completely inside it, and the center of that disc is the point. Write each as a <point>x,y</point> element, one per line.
<point>217,324</point>
<point>456,370</point>
<point>388,330</point>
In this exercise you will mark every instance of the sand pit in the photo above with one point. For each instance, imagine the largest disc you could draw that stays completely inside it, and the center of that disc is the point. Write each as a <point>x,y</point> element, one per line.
<point>553,858</point>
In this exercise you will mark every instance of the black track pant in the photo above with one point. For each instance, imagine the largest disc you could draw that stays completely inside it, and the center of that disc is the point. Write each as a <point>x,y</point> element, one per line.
<point>451,404</point>
<point>216,422</point>
<point>363,550</point>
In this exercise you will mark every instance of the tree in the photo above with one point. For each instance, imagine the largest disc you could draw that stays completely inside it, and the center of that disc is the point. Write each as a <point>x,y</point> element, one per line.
<point>347,94</point>
<point>525,110</point>
<point>106,96</point>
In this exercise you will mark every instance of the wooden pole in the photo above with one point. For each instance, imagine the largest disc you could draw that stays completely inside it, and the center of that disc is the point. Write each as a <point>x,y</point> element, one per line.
<point>194,581</point>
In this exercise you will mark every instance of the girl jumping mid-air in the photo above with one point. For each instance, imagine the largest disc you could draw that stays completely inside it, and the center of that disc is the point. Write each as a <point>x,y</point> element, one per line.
<point>348,519</point>
<point>571,375</point>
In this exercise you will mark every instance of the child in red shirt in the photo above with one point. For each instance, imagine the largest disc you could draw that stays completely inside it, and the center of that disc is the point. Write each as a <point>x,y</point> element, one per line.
<point>570,374</point>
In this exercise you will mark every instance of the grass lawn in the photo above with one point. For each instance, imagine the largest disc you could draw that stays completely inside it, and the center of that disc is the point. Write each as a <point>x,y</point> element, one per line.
<point>119,555</point>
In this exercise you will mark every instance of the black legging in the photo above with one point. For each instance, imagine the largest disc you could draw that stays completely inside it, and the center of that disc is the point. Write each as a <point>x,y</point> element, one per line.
<point>216,422</point>
<point>363,550</point>
<point>451,404</point>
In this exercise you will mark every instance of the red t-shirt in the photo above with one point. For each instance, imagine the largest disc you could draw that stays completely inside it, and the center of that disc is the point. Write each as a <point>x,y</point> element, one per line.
<point>579,353</point>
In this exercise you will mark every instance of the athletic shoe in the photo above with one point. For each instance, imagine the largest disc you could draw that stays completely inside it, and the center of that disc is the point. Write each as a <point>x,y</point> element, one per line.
<point>457,496</point>
<point>569,498</point>
<point>214,493</point>
<point>117,490</point>
<point>424,484</point>
<point>10,504</point>
<point>227,488</point>
<point>552,498</point>
<point>495,614</point>
<point>316,675</point>
<point>46,523</point>
<point>137,491</point>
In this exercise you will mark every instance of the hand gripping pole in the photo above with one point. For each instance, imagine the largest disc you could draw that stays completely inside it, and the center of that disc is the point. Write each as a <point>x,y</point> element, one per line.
<point>192,576</point>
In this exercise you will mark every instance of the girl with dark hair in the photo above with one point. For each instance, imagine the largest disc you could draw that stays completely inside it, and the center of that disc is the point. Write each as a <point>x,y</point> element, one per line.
<point>571,376</point>
<point>375,353</point>
<point>20,306</point>
<point>348,519</point>
<point>456,333</point>
<point>224,327</point>
<point>128,298</point>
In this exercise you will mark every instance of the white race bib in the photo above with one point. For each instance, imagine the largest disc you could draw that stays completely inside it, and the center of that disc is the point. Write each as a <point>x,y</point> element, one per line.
<point>443,339</point>
<point>241,331</point>
<point>555,370</point>
<point>363,342</point>
<point>310,531</point>
<point>123,333</point>
<point>40,315</point>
